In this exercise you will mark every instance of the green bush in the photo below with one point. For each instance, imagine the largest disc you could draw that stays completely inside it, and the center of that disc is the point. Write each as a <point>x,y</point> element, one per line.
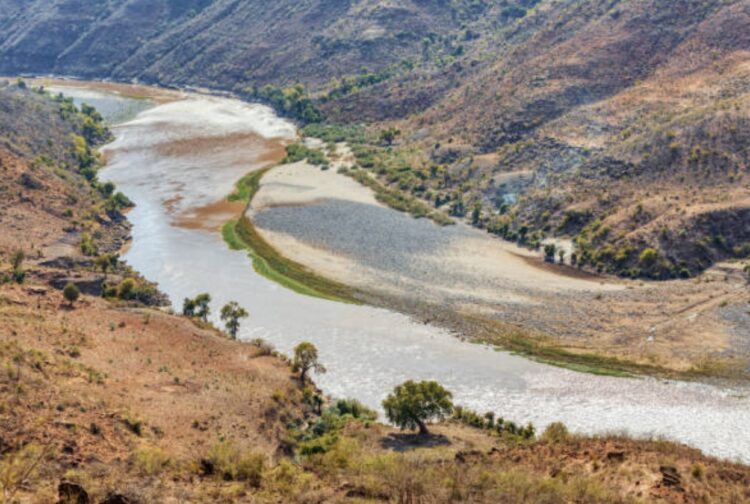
<point>71,293</point>
<point>354,408</point>
<point>299,152</point>
<point>648,257</point>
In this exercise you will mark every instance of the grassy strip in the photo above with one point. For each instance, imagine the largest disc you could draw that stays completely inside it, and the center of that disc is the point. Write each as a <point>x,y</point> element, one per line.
<point>399,200</point>
<point>268,262</point>
<point>542,349</point>
<point>272,265</point>
<point>230,236</point>
<point>538,349</point>
<point>247,186</point>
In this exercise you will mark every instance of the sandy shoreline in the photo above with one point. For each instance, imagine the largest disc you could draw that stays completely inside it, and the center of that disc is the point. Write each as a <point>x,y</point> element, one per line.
<point>333,225</point>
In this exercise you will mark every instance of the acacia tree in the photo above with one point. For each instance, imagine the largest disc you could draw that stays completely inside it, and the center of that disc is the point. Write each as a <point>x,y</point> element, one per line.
<point>412,404</point>
<point>231,314</point>
<point>306,360</point>
<point>197,307</point>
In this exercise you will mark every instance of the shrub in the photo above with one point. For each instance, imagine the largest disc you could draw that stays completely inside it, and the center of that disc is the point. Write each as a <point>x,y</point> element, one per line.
<point>299,152</point>
<point>16,260</point>
<point>354,408</point>
<point>88,248</point>
<point>126,289</point>
<point>71,293</point>
<point>134,425</point>
<point>19,275</point>
<point>265,347</point>
<point>697,471</point>
<point>556,432</point>
<point>233,464</point>
<point>151,461</point>
<point>549,252</point>
<point>648,257</point>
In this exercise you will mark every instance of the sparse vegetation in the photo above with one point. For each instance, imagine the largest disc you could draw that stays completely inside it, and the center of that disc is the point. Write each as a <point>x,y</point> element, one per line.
<point>199,307</point>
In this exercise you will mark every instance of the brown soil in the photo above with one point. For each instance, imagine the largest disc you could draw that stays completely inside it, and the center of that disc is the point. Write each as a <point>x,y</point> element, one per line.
<point>211,217</point>
<point>38,217</point>
<point>80,379</point>
<point>126,400</point>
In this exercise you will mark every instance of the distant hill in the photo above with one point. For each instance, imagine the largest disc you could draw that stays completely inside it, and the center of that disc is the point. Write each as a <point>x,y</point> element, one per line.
<point>622,125</point>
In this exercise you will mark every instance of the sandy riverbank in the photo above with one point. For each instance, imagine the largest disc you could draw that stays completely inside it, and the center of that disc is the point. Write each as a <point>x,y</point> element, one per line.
<point>330,223</point>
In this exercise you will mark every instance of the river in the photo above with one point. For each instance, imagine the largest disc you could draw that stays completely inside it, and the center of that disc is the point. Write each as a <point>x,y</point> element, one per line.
<point>173,157</point>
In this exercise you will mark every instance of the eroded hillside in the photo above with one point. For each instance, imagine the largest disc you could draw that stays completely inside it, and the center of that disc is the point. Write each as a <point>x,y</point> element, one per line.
<point>105,398</point>
<point>621,125</point>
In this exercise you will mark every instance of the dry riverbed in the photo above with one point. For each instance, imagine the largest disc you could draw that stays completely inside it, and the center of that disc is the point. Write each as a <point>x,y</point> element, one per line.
<point>332,224</point>
<point>366,350</point>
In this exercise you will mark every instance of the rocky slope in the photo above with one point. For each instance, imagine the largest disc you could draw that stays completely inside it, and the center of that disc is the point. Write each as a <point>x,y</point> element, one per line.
<point>622,125</point>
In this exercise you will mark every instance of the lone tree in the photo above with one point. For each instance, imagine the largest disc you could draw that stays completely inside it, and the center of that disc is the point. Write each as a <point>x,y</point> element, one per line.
<point>71,293</point>
<point>231,314</point>
<point>306,360</point>
<point>106,263</point>
<point>388,136</point>
<point>549,252</point>
<point>413,404</point>
<point>188,307</point>
<point>202,308</point>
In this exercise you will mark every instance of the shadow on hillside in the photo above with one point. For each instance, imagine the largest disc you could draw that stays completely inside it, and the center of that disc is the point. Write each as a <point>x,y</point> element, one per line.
<point>408,442</point>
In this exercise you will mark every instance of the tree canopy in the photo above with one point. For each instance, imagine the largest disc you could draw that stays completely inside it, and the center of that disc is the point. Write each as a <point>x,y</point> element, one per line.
<point>71,293</point>
<point>306,360</point>
<point>412,404</point>
<point>231,313</point>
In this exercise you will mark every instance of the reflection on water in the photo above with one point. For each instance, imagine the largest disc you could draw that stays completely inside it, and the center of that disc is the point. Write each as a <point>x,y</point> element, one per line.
<point>366,350</point>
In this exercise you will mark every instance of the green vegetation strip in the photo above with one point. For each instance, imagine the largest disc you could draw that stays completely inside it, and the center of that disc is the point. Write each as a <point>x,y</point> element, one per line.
<point>539,349</point>
<point>399,200</point>
<point>267,261</point>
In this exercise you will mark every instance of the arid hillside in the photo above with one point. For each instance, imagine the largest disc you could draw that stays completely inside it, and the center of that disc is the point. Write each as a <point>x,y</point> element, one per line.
<point>620,125</point>
<point>105,397</point>
<point>220,44</point>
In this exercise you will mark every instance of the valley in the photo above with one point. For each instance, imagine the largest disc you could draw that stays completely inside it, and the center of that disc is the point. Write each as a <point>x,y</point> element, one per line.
<point>167,162</point>
<point>423,251</point>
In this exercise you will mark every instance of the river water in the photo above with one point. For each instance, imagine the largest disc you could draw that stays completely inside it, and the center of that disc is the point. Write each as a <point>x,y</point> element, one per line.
<point>177,156</point>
